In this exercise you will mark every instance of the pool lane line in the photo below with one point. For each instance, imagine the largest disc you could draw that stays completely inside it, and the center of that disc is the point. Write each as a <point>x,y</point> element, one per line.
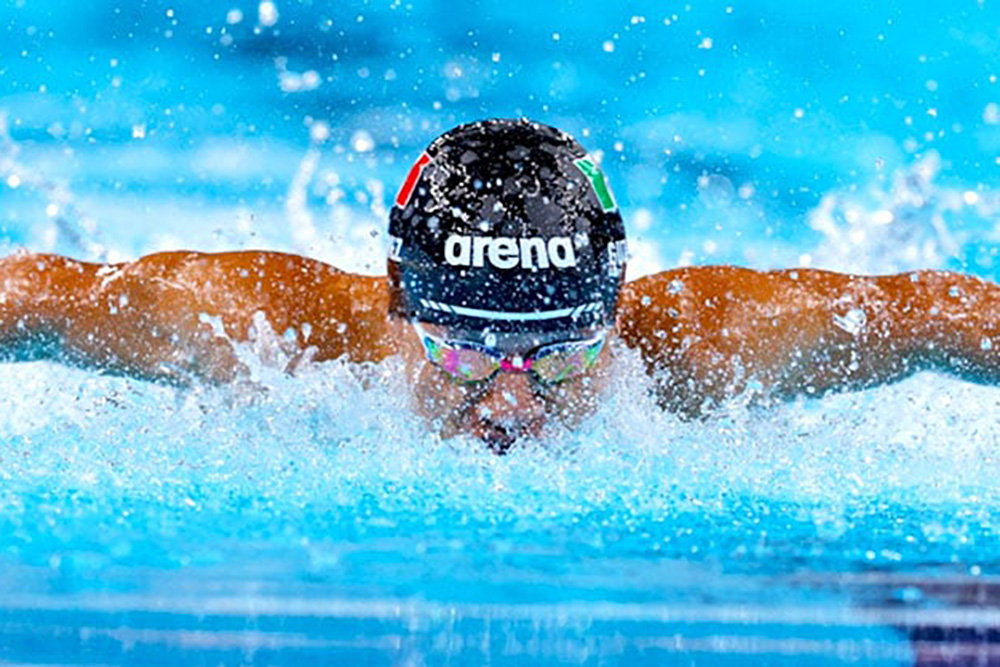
<point>394,609</point>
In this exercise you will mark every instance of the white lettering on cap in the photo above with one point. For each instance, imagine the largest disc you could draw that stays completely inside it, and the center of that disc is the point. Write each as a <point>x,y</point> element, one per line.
<point>458,250</point>
<point>561,252</point>
<point>503,253</point>
<point>533,249</point>
<point>507,253</point>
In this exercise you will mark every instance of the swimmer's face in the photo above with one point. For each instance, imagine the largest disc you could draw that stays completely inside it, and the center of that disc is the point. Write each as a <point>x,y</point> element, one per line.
<point>506,407</point>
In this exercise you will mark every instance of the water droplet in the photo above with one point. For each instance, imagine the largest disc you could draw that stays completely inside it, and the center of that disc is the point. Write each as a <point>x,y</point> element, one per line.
<point>991,114</point>
<point>675,287</point>
<point>319,132</point>
<point>883,217</point>
<point>853,321</point>
<point>362,141</point>
<point>986,344</point>
<point>267,13</point>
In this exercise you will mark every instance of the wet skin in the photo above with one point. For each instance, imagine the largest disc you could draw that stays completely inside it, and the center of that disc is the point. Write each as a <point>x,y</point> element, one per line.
<point>706,334</point>
<point>509,405</point>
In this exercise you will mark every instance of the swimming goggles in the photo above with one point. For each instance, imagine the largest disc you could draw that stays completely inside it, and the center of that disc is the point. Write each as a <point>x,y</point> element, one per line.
<point>474,362</point>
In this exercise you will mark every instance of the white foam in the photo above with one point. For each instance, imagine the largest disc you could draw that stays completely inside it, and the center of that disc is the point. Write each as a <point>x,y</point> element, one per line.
<point>333,435</point>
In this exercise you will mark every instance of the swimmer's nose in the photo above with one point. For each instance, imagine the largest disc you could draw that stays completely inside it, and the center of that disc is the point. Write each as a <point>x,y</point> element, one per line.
<point>508,411</point>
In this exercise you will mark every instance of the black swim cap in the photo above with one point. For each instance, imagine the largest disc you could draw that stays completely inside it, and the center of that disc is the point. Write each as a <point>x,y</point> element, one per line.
<point>506,226</point>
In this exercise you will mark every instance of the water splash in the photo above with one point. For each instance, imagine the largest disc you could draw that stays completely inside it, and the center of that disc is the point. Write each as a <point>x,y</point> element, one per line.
<point>352,237</point>
<point>71,230</point>
<point>908,221</point>
<point>341,447</point>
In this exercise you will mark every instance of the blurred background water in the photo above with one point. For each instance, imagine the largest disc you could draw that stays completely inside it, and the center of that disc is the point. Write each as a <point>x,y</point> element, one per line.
<point>316,520</point>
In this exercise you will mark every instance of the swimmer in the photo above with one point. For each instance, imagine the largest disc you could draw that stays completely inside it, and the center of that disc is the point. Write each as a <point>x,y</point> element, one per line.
<point>507,301</point>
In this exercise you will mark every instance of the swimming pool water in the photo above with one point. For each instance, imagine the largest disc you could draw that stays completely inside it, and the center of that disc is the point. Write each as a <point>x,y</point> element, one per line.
<point>314,520</point>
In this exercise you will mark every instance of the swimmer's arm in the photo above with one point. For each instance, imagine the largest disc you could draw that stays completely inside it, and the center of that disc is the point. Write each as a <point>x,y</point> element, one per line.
<point>711,333</point>
<point>945,321</point>
<point>176,316</point>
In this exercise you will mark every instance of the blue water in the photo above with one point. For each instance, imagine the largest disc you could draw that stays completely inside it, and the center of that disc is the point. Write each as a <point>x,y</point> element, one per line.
<point>314,520</point>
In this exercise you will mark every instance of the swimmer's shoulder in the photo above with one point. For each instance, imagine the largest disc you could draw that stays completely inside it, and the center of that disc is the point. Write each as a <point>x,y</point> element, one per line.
<point>255,261</point>
<point>701,286</point>
<point>292,273</point>
<point>334,311</point>
<point>300,282</point>
<point>660,312</point>
<point>675,308</point>
<point>678,290</point>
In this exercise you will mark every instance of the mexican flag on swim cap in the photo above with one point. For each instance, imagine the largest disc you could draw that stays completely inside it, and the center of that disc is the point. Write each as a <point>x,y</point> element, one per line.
<point>506,226</point>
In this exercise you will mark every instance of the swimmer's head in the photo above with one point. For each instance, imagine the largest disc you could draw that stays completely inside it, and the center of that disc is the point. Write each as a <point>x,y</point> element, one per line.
<point>508,252</point>
<point>506,226</point>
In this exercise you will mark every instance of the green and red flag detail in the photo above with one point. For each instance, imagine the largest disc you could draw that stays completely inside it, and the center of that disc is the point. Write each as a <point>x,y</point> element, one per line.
<point>598,182</point>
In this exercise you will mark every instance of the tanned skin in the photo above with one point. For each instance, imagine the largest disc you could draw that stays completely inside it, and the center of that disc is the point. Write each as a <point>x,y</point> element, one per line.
<point>714,332</point>
<point>158,318</point>
<point>706,334</point>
